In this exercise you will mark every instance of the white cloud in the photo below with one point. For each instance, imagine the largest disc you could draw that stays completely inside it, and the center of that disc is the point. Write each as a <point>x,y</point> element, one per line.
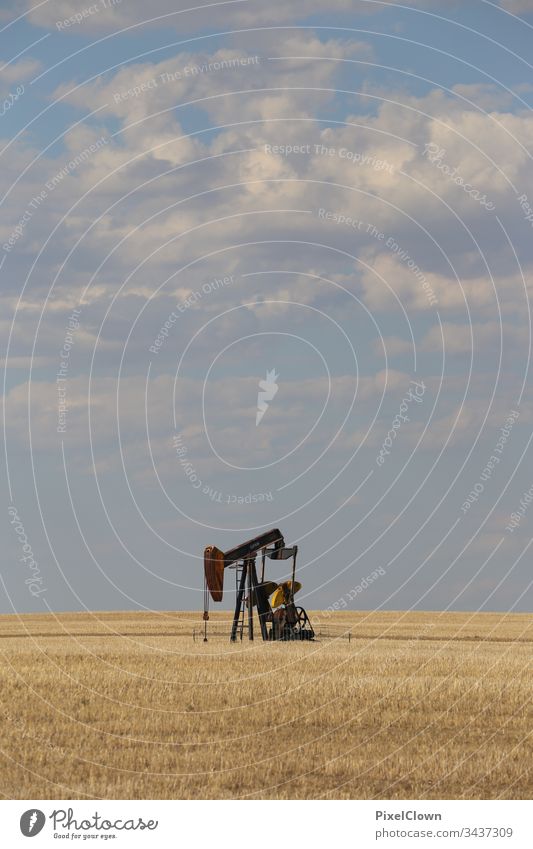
<point>183,16</point>
<point>518,6</point>
<point>269,183</point>
<point>17,72</point>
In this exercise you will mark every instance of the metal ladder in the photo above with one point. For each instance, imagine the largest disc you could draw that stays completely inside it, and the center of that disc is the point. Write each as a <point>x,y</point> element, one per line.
<point>242,615</point>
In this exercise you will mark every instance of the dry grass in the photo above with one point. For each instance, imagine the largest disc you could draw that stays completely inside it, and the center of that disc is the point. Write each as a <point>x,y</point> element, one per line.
<point>128,706</point>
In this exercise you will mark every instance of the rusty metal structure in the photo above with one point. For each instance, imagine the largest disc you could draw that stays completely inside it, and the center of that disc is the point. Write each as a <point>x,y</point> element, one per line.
<point>279,618</point>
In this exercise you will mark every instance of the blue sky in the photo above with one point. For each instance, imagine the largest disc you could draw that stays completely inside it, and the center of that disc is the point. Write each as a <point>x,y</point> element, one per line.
<point>345,198</point>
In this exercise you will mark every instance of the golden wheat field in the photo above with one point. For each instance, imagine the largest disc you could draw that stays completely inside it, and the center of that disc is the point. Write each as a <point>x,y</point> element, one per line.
<point>128,705</point>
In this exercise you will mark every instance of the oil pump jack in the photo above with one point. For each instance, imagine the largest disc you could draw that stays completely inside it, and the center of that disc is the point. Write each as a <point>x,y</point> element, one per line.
<point>279,618</point>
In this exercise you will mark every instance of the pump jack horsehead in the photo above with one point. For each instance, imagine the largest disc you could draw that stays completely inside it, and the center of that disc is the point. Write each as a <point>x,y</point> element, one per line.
<point>279,618</point>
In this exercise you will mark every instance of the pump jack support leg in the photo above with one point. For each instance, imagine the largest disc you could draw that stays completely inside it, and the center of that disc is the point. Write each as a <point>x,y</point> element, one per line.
<point>238,604</point>
<point>251,587</point>
<point>263,607</point>
<point>293,572</point>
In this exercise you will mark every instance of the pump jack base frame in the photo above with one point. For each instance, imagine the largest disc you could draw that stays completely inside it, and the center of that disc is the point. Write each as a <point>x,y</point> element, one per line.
<point>295,624</point>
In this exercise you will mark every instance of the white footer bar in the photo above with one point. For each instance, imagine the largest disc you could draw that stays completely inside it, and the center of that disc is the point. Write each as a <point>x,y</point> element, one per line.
<point>268,824</point>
